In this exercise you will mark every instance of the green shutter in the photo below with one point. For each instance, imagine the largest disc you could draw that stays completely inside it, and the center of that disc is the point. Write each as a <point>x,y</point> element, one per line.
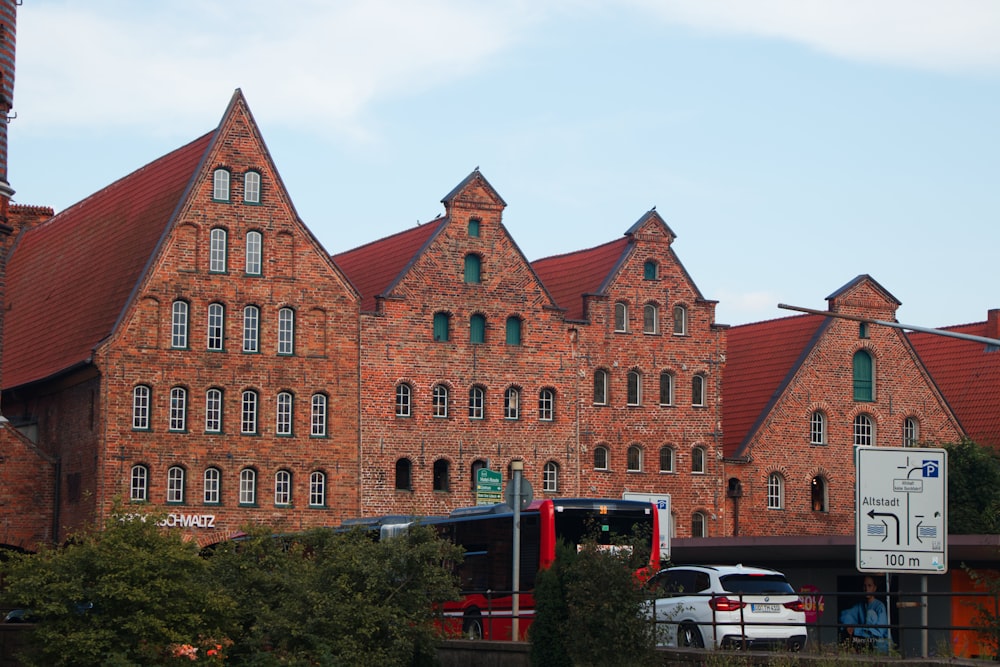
<point>440,327</point>
<point>862,376</point>
<point>513,331</point>
<point>477,329</point>
<point>472,263</point>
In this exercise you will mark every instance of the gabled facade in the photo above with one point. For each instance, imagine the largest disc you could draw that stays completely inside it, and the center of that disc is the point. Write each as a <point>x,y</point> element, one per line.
<point>647,355</point>
<point>801,393</point>
<point>180,340</point>
<point>465,362</point>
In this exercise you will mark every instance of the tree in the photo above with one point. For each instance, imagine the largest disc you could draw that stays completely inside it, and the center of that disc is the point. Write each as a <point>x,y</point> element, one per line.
<point>973,489</point>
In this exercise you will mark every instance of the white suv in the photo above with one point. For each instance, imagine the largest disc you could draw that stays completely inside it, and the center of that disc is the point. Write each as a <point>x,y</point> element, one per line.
<point>726,606</point>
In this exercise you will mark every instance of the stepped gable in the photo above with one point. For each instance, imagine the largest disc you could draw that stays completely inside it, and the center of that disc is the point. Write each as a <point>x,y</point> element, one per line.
<point>761,360</point>
<point>70,278</point>
<point>968,375</point>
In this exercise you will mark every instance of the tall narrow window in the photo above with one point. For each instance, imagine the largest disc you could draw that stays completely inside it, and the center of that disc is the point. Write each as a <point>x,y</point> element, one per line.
<point>317,489</point>
<point>650,319</point>
<point>650,270</point>
<point>911,432</point>
<point>512,403</point>
<point>211,487</point>
<point>621,317</point>
<point>634,388</point>
<point>600,458</point>
<point>473,269</point>
<point>139,485</point>
<point>474,224</point>
<point>248,413</point>
<point>175,485</point>
<point>666,459</point>
<point>404,399</point>
<point>600,387</point>
<point>864,431</point>
<point>179,325</point>
<point>283,425</point>
<point>680,321</point>
<point>666,388</point>
<point>634,459</point>
<point>404,480</point>
<point>317,419</point>
<point>818,494</point>
<point>216,321</point>
<point>775,491</point>
<point>220,185</point>
<point>817,428</point>
<point>698,459</point>
<point>476,466</point>
<point>477,328</point>
<point>442,473</point>
<point>286,331</point>
<point>248,486</point>
<point>439,399</point>
<point>140,407</point>
<point>213,411</point>
<point>547,405</point>
<point>477,402</point>
<point>699,525</point>
<point>513,330</point>
<point>251,187</point>
<point>282,488</point>
<point>178,409</point>
<point>217,251</point>
<point>254,250</point>
<point>550,477</point>
<point>698,390</point>
<point>863,377</point>
<point>251,329</point>
<point>441,327</point>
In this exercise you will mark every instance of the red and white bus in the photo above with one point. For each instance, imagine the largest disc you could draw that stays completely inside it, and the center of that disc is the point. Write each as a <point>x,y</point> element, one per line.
<point>485,609</point>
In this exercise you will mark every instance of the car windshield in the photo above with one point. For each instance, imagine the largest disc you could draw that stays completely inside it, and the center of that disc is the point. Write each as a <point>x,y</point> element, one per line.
<point>755,584</point>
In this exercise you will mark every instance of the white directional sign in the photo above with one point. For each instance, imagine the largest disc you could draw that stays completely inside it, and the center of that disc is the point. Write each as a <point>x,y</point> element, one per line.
<point>901,509</point>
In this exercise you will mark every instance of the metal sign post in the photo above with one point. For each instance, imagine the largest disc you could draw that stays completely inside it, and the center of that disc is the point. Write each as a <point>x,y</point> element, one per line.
<point>517,469</point>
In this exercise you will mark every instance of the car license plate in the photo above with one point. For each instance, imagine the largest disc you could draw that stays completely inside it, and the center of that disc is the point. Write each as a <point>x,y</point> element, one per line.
<point>765,608</point>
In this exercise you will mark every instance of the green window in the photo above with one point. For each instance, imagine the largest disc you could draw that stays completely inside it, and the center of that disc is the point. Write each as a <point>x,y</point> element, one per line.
<point>473,268</point>
<point>477,328</point>
<point>474,227</point>
<point>650,270</point>
<point>513,330</point>
<point>441,321</point>
<point>863,383</point>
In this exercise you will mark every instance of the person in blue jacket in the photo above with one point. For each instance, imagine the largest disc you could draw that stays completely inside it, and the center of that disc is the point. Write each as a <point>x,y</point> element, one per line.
<point>867,623</point>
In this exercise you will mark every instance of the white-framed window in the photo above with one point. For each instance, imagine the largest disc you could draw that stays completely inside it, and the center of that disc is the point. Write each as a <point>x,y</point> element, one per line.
<point>175,484</point>
<point>317,418</point>
<point>140,407</point>
<point>775,491</point>
<point>477,402</point>
<point>550,477</point>
<point>220,185</point>
<point>216,322</point>
<point>547,404</point>
<point>178,409</point>
<point>212,486</point>
<point>139,484</point>
<point>600,457</point>
<point>317,489</point>
<point>439,400</point>
<point>817,428</point>
<point>600,387</point>
<point>254,253</point>
<point>698,460</point>
<point>179,325</point>
<point>512,403</point>
<point>213,410</point>
<point>864,431</point>
<point>698,390</point>
<point>282,488</point>
<point>634,393</point>
<point>251,187</point>
<point>621,317</point>
<point>248,413</point>
<point>404,400</point>
<point>666,388</point>
<point>666,459</point>
<point>633,459</point>
<point>217,251</point>
<point>651,319</point>
<point>286,331</point>
<point>699,525</point>
<point>248,486</point>
<point>680,320</point>
<point>911,432</point>
<point>251,329</point>
<point>283,420</point>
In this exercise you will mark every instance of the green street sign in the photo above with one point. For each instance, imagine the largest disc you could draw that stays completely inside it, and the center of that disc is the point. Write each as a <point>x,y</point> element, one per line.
<point>489,487</point>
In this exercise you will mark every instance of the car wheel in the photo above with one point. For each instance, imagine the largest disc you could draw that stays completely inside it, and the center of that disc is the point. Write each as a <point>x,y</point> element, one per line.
<point>689,636</point>
<point>472,626</point>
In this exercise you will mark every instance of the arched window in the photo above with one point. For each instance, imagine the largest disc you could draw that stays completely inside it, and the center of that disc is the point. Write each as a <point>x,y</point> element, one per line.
<point>178,409</point>
<point>213,411</point>
<point>512,403</point>
<point>650,270</point>
<point>477,402</point>
<point>680,320</point>
<point>547,404</point>
<point>248,413</point>
<point>317,418</point>
<point>175,484</point>
<point>621,317</point>
<point>474,469</point>
<point>212,486</point>
<point>216,322</point>
<point>440,400</point>
<point>666,459</point>
<point>817,428</point>
<point>179,325</point>
<point>248,486</point>
<point>863,377</point>
<point>473,269</point>
<point>477,329</point>
<point>864,431</point>
<point>650,318</point>
<point>286,331</point>
<point>600,458</point>
<point>442,322</point>
<point>666,388</point>
<point>403,477</point>
<point>442,471</point>
<point>140,407</point>
<point>217,251</point>
<point>600,387</point>
<point>404,399</point>
<point>251,329</point>
<point>911,432</point>
<point>254,249</point>
<point>634,459</point>
<point>699,525</point>
<point>550,477</point>
<point>698,459</point>
<point>513,330</point>
<point>317,489</point>
<point>818,494</point>
<point>775,491</point>
<point>139,485</point>
<point>251,187</point>
<point>283,421</point>
<point>282,488</point>
<point>634,388</point>
<point>698,390</point>
<point>220,185</point>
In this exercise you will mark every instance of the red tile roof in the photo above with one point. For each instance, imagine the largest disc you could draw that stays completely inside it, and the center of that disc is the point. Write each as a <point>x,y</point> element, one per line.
<point>375,268</point>
<point>968,374</point>
<point>70,278</point>
<point>760,361</point>
<point>569,277</point>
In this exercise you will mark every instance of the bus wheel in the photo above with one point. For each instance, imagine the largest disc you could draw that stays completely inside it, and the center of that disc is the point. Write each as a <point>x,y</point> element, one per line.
<point>472,626</point>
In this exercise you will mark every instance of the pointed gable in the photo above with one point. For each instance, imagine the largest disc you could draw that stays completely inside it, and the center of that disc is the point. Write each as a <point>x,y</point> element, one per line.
<point>473,192</point>
<point>69,279</point>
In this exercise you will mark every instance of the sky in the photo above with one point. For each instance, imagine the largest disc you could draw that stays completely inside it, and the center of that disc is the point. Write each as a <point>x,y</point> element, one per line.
<point>791,145</point>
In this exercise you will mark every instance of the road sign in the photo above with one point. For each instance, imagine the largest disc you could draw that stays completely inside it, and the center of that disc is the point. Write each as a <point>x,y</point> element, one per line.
<point>527,493</point>
<point>488,487</point>
<point>662,502</point>
<point>901,509</point>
